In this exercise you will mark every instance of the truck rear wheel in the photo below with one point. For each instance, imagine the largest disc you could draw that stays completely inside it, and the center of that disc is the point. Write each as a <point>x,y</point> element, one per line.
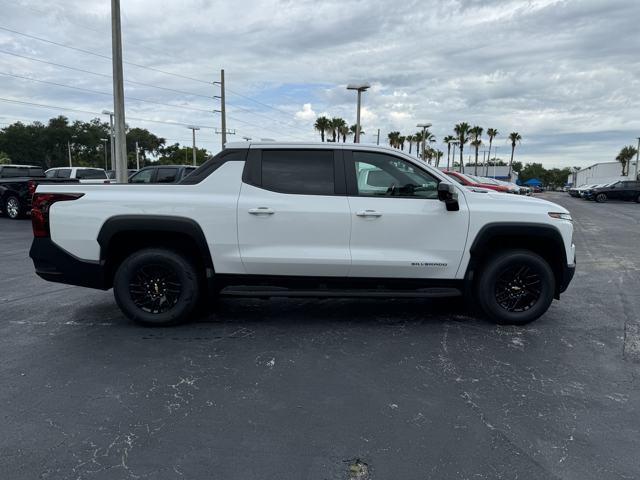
<point>156,287</point>
<point>516,287</point>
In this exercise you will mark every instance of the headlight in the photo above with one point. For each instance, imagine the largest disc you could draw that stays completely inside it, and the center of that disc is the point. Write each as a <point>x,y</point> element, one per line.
<point>561,216</point>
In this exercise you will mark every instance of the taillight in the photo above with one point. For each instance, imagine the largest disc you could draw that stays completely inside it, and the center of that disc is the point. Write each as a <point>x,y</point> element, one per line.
<point>40,210</point>
<point>31,185</point>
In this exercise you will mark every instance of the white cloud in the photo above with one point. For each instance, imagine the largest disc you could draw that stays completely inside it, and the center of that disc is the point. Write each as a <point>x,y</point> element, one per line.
<point>306,113</point>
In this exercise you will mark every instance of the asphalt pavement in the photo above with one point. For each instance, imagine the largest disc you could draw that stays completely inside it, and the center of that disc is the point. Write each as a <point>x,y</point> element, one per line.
<point>326,389</point>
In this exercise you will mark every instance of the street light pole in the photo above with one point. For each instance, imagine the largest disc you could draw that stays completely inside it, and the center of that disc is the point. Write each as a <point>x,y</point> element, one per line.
<point>69,150</point>
<point>359,88</point>
<point>111,137</point>
<point>104,146</point>
<point>193,129</point>
<point>424,127</point>
<point>118,94</point>
<point>137,157</point>
<point>637,159</point>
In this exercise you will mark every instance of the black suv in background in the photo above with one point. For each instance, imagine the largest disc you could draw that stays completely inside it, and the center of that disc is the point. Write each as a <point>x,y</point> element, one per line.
<point>161,174</point>
<point>623,190</point>
<point>18,184</point>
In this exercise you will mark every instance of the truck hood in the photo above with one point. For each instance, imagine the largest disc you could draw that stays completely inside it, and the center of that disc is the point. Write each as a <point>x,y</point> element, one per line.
<point>513,200</point>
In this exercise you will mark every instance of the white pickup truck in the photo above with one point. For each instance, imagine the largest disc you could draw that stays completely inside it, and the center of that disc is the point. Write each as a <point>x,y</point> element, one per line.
<point>317,219</point>
<point>88,175</point>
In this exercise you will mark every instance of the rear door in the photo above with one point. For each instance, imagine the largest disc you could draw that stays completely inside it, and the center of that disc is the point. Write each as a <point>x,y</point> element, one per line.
<point>293,213</point>
<point>399,228</point>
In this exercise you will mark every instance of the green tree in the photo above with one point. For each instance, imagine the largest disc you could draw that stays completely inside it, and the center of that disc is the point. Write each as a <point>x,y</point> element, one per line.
<point>352,131</point>
<point>449,139</point>
<point>514,138</point>
<point>394,139</point>
<point>4,159</point>
<point>176,154</point>
<point>476,133</point>
<point>624,157</point>
<point>462,134</point>
<point>322,125</point>
<point>337,124</point>
<point>491,133</point>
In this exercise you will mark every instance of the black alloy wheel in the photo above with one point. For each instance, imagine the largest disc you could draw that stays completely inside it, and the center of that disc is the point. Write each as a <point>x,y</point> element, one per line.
<point>155,288</point>
<point>517,288</point>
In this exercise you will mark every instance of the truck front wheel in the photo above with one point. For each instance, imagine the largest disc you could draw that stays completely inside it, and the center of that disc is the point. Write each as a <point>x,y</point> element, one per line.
<point>156,287</point>
<point>515,287</point>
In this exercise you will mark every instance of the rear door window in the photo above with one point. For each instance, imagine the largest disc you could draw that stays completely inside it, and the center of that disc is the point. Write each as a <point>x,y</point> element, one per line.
<point>143,176</point>
<point>301,172</point>
<point>167,175</point>
<point>63,173</point>
<point>90,174</point>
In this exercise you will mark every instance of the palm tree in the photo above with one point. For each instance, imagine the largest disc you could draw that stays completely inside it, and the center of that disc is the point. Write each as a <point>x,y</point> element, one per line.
<point>410,139</point>
<point>448,140</point>
<point>462,134</point>
<point>625,156</point>
<point>352,131</point>
<point>344,131</point>
<point>417,137</point>
<point>323,125</point>
<point>515,138</point>
<point>492,133</point>
<point>476,133</point>
<point>401,141</point>
<point>336,124</point>
<point>393,139</point>
<point>439,154</point>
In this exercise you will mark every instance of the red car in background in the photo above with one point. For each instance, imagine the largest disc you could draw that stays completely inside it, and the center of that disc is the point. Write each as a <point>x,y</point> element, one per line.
<point>469,182</point>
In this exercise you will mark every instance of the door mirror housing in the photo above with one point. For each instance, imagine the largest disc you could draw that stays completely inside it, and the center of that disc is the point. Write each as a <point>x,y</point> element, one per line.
<point>447,194</point>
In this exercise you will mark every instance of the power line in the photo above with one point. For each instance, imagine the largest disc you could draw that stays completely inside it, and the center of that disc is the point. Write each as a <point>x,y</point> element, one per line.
<point>105,75</point>
<point>89,52</point>
<point>98,92</point>
<point>56,107</point>
<point>258,102</point>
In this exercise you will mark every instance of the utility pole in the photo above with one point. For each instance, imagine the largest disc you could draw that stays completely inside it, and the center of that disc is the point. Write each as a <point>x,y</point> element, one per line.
<point>111,137</point>
<point>223,110</point>
<point>378,140</point>
<point>193,129</point>
<point>69,150</point>
<point>137,157</point>
<point>118,94</point>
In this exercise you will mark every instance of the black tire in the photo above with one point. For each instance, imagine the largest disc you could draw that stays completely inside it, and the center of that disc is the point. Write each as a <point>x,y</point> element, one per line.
<point>13,207</point>
<point>157,287</point>
<point>515,287</point>
<point>601,197</point>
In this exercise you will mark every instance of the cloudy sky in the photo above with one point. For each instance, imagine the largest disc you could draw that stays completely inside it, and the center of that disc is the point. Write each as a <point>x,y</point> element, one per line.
<point>564,74</point>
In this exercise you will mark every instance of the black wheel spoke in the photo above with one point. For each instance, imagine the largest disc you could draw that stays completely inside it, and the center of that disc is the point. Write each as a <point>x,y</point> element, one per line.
<point>517,288</point>
<point>155,288</point>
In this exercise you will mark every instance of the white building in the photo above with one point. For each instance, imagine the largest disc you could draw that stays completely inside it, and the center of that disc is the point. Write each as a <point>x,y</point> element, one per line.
<point>605,172</point>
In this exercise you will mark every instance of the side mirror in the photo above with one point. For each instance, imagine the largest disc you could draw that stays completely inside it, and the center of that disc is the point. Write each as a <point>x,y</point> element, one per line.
<point>447,194</point>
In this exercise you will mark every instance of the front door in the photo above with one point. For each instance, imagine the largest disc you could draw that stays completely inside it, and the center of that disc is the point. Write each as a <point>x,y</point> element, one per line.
<point>293,214</point>
<point>399,228</point>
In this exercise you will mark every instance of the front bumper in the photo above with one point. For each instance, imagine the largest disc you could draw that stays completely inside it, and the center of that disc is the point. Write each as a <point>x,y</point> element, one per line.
<point>567,275</point>
<point>55,264</point>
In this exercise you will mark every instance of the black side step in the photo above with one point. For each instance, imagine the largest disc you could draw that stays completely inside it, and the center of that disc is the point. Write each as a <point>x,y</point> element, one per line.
<point>245,291</point>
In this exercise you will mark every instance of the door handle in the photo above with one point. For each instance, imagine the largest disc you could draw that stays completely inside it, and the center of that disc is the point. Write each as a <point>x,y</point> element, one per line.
<point>261,211</point>
<point>368,213</point>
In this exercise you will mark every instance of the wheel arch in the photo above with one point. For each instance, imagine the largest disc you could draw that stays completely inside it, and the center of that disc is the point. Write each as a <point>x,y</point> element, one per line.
<point>542,239</point>
<point>122,235</point>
